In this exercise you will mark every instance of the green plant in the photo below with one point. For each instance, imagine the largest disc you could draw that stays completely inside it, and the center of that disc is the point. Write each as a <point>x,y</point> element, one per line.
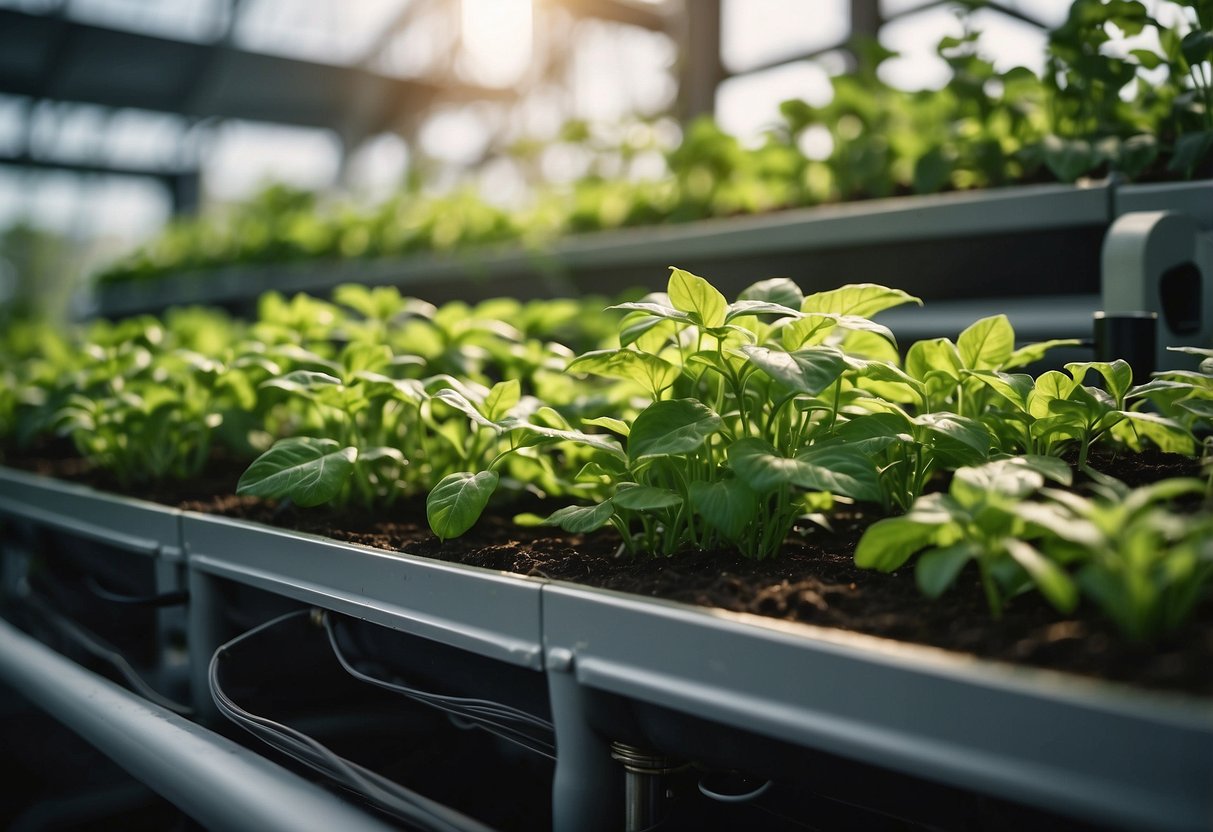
<point>976,520</point>
<point>735,442</point>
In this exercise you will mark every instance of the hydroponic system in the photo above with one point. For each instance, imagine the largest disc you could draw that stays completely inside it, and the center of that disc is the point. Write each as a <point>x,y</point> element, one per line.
<point>866,490</point>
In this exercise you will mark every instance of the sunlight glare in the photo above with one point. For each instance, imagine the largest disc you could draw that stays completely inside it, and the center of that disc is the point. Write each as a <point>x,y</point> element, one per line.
<point>497,37</point>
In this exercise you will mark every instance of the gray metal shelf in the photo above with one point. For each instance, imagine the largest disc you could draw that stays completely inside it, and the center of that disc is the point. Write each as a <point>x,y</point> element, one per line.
<point>1098,752</point>
<point>974,243</point>
<point>220,784</point>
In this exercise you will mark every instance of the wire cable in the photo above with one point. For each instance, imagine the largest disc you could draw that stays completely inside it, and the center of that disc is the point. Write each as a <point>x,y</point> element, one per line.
<point>166,599</point>
<point>391,797</point>
<point>504,721</point>
<point>98,649</point>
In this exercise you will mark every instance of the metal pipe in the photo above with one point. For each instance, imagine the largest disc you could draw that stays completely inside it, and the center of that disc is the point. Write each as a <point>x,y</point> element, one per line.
<point>219,783</point>
<point>645,795</point>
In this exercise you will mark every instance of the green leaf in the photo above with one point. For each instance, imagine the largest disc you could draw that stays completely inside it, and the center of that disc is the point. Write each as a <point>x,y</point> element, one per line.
<point>644,497</point>
<point>1014,387</point>
<point>303,381</point>
<point>1030,353</point>
<point>1068,159</point>
<point>457,502</point>
<point>308,471</point>
<point>1117,375</point>
<point>777,290</point>
<point>873,432</point>
<point>757,307</point>
<point>461,403</point>
<point>987,344</point>
<point>841,470</point>
<point>933,170</point>
<point>581,519</point>
<point>859,299</point>
<point>933,355</point>
<point>541,434</point>
<point>1052,581</point>
<point>938,569</point>
<point>501,398</point>
<point>667,428</point>
<point>655,310</point>
<point>692,294</point>
<point>1197,47</point>
<point>610,423</point>
<point>1050,386</point>
<point>809,371</point>
<point>727,506</point>
<point>887,544</point>
<point>655,373</point>
<point>1191,149</point>
<point>962,430</point>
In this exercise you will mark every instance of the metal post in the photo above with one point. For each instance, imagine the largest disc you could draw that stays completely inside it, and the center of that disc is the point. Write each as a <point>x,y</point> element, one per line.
<point>702,70</point>
<point>204,636</point>
<point>585,791</point>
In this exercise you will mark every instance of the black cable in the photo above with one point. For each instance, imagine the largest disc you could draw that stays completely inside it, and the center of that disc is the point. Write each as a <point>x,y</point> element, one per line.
<point>391,797</point>
<point>166,599</point>
<point>95,647</point>
<point>490,716</point>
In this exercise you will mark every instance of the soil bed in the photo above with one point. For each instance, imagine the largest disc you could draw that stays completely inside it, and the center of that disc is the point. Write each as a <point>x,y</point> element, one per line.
<point>815,581</point>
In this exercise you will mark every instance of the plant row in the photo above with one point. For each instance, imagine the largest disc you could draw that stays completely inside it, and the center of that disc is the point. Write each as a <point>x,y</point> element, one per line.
<point>1101,106</point>
<point>681,420</point>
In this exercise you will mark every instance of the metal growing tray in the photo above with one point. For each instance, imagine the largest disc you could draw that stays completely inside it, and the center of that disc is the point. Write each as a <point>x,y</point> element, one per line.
<point>1087,749</point>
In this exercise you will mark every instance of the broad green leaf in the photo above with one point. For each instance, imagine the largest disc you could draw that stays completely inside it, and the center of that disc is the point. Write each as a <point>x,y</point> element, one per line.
<point>458,500</point>
<point>1068,159</point>
<point>727,506</point>
<point>694,295</point>
<point>668,428</point>
<point>1050,467</point>
<point>303,381</point>
<point>814,328</point>
<point>873,432</point>
<point>974,485</point>
<point>1030,353</point>
<point>778,290</point>
<point>1117,375</point>
<point>461,403</point>
<point>986,344</point>
<point>841,470</point>
<point>1014,387</point>
<point>501,398</point>
<point>859,299</point>
<point>581,519</point>
<point>1167,434</point>
<point>656,310</point>
<point>1191,149</point>
<point>381,452</point>
<point>644,497</point>
<point>756,462</point>
<point>933,355</point>
<point>809,371</point>
<point>1052,581</point>
<point>1059,522</point>
<point>938,569</point>
<point>757,307</point>
<point>655,373</point>
<point>959,429</point>
<point>1050,386</point>
<point>308,471</point>
<point>610,423</point>
<point>887,544</point>
<point>540,434</point>
<point>646,332</point>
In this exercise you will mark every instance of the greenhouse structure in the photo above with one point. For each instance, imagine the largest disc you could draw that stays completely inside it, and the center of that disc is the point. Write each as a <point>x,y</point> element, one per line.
<point>650,415</point>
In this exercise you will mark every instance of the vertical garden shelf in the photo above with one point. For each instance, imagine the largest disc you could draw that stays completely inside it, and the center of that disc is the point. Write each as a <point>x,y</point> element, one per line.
<point>1093,751</point>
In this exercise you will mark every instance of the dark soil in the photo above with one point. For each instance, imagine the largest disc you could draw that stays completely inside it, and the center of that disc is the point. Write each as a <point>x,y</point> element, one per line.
<point>815,581</point>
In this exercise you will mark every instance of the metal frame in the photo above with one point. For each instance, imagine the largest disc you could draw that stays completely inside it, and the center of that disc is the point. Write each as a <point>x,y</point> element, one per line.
<point>1094,751</point>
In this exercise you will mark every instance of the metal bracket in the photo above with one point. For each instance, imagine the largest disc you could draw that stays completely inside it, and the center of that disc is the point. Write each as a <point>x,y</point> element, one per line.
<point>1161,261</point>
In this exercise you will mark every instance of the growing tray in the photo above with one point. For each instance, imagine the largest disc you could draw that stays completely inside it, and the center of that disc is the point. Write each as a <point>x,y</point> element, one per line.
<point>1094,751</point>
<point>1010,241</point>
<point>492,614</point>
